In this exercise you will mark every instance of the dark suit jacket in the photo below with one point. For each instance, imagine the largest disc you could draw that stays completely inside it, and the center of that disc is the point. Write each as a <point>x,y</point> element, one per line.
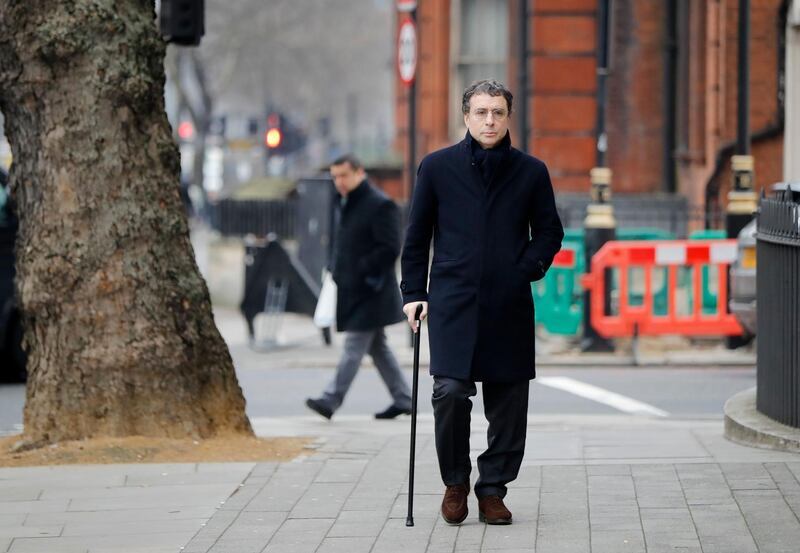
<point>366,246</point>
<point>490,241</point>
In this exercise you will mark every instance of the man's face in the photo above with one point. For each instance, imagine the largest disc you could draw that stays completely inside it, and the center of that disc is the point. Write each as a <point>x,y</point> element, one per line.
<point>345,178</point>
<point>487,119</point>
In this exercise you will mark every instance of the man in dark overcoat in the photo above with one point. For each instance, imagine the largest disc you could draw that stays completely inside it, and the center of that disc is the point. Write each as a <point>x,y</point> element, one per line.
<point>491,213</point>
<point>365,249</point>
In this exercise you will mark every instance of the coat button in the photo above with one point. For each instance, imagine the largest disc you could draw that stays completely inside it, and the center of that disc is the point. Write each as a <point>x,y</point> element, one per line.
<point>403,286</point>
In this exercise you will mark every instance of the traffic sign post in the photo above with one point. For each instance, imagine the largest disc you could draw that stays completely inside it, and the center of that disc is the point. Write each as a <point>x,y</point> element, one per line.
<point>407,48</point>
<point>407,40</point>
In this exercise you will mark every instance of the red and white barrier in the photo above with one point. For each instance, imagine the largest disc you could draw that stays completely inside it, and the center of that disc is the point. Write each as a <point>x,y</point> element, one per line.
<point>669,254</point>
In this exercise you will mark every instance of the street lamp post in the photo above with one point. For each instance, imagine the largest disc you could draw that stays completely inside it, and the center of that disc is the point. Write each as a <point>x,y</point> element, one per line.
<point>600,224</point>
<point>742,199</point>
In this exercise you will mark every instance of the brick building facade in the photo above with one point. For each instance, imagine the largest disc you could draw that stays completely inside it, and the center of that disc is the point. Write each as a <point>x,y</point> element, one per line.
<point>465,39</point>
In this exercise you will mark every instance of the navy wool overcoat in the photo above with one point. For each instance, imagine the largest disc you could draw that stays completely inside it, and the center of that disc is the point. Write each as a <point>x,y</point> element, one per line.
<point>366,246</point>
<point>490,240</point>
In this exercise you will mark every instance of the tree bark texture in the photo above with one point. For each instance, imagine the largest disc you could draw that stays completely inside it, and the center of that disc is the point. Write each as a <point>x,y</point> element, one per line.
<point>119,328</point>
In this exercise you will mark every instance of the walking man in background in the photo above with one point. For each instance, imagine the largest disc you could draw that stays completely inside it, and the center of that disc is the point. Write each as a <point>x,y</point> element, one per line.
<point>491,213</point>
<point>366,246</point>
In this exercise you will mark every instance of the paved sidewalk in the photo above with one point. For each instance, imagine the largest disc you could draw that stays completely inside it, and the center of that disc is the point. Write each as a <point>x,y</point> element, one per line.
<point>299,345</point>
<point>595,484</point>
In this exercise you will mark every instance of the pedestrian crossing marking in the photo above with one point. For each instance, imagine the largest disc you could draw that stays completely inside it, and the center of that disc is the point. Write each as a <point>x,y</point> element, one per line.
<point>617,401</point>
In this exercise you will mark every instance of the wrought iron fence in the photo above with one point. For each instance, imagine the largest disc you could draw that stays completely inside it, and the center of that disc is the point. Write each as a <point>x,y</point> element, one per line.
<point>260,217</point>
<point>670,213</point>
<point>778,310</point>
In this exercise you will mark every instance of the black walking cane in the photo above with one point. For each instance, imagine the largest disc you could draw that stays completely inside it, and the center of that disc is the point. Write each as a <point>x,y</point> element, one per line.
<point>414,385</point>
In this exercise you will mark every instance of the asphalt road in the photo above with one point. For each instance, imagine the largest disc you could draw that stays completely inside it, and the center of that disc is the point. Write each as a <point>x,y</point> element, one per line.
<point>681,392</point>
<point>674,392</point>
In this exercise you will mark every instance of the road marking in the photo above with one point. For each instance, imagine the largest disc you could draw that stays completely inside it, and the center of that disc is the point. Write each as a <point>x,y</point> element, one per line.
<point>15,429</point>
<point>600,395</point>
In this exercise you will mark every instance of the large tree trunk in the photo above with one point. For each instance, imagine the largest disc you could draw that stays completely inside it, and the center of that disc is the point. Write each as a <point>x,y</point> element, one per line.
<point>119,328</point>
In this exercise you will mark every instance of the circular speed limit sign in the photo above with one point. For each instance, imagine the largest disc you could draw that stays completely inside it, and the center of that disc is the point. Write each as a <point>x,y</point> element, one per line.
<point>407,51</point>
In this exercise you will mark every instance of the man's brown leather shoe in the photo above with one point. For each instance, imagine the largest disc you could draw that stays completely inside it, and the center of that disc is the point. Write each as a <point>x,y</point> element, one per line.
<point>492,510</point>
<point>454,504</point>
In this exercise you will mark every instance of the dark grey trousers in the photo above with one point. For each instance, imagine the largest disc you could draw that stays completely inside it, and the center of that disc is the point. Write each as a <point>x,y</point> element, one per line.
<point>356,345</point>
<point>506,409</point>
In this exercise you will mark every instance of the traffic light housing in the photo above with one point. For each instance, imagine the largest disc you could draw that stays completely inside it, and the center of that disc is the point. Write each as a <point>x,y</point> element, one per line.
<point>281,137</point>
<point>182,21</point>
<point>273,135</point>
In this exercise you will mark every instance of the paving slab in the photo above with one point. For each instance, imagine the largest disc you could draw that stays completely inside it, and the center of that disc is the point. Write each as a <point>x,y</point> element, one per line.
<point>299,535</point>
<point>12,520</point>
<point>396,536</point>
<point>358,524</point>
<point>119,516</point>
<point>16,493</point>
<point>772,523</point>
<point>130,508</point>
<point>31,531</point>
<point>149,543</point>
<point>39,506</point>
<point>346,545</point>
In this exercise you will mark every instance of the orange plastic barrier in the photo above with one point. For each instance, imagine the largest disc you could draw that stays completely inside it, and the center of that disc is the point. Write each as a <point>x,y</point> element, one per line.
<point>629,320</point>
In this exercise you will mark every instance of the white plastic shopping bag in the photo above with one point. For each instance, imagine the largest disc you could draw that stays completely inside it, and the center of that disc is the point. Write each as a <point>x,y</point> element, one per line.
<point>325,313</point>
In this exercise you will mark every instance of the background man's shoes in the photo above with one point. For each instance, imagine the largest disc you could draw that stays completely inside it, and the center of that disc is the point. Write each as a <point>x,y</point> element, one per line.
<point>454,504</point>
<point>319,408</point>
<point>391,412</point>
<point>492,510</point>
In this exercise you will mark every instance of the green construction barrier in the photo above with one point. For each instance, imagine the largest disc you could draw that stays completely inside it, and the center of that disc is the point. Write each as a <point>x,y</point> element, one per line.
<point>559,296</point>
<point>558,300</point>
<point>708,234</point>
<point>709,296</point>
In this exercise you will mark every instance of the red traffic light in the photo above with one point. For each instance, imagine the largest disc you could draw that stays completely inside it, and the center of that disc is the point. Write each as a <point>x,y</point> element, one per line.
<point>186,130</point>
<point>273,138</point>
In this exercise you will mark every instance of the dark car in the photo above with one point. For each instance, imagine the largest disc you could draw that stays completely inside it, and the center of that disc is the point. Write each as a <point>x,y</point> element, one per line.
<point>12,356</point>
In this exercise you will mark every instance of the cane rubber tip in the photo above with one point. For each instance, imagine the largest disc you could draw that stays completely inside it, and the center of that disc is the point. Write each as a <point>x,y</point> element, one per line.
<point>409,521</point>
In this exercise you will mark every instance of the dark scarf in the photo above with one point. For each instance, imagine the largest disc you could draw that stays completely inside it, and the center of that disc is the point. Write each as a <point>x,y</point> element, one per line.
<point>488,160</point>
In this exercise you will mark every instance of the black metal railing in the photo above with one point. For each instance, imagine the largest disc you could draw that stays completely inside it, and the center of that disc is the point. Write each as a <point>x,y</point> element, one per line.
<point>259,217</point>
<point>666,212</point>
<point>778,310</point>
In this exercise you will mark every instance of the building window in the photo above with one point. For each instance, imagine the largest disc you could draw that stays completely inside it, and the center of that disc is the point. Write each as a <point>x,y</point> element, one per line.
<point>480,47</point>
